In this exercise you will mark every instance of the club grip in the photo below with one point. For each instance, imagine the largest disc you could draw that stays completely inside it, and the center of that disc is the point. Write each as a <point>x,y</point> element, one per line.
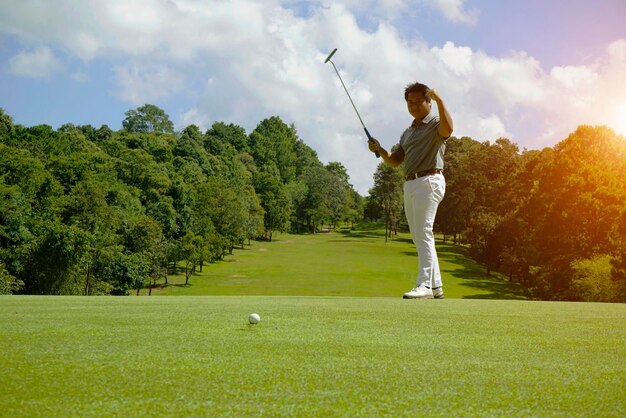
<point>369,138</point>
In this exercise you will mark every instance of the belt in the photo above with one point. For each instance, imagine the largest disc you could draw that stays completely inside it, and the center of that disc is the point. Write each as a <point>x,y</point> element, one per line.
<point>423,173</point>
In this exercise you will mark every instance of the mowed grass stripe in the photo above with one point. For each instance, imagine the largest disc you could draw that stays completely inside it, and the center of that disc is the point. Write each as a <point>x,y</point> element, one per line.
<point>309,356</point>
<point>357,263</point>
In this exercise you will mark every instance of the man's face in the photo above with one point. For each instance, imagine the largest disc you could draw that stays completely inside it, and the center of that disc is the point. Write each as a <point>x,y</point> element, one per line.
<point>417,105</point>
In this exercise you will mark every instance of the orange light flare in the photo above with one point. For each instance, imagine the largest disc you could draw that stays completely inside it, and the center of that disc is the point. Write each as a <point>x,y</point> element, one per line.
<point>618,119</point>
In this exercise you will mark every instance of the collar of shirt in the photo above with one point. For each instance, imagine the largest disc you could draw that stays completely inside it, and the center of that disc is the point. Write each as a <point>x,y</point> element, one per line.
<point>426,120</point>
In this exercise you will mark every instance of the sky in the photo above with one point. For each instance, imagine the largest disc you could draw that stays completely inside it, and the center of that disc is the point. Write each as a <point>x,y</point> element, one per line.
<point>527,70</point>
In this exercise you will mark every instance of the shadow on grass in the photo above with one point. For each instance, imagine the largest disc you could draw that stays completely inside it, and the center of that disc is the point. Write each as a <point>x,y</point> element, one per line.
<point>348,235</point>
<point>467,272</point>
<point>371,232</point>
<point>473,275</point>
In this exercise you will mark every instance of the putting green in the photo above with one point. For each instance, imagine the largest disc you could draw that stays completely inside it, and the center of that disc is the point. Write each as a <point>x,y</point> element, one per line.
<point>309,356</point>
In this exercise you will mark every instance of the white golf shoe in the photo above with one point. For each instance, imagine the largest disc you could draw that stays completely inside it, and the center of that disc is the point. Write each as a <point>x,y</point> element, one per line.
<point>419,292</point>
<point>438,292</point>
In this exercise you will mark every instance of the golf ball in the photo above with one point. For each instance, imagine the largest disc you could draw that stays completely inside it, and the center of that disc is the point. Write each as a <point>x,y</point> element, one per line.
<point>254,318</point>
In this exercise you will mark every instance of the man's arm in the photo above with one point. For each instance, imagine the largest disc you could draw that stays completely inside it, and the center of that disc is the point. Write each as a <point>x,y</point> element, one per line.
<point>394,159</point>
<point>445,120</point>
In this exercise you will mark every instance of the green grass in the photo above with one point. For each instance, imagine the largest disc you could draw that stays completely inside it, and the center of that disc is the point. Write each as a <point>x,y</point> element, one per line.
<point>309,356</point>
<point>357,263</point>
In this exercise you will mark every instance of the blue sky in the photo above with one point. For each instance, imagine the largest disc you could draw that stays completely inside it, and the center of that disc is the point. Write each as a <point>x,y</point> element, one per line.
<point>529,70</point>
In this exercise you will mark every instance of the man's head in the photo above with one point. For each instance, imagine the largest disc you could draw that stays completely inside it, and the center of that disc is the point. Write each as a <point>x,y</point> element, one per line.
<point>416,87</point>
<point>417,100</point>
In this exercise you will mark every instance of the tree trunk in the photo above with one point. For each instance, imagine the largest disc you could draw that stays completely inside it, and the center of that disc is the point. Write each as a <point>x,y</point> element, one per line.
<point>88,279</point>
<point>386,229</point>
<point>187,273</point>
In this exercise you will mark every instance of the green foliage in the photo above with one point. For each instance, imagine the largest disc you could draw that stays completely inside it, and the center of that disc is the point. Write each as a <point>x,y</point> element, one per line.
<point>226,140</point>
<point>92,211</point>
<point>387,195</point>
<point>274,200</point>
<point>192,246</point>
<point>8,283</point>
<point>86,210</point>
<point>146,119</point>
<point>6,124</point>
<point>592,281</point>
<point>53,263</point>
<point>273,141</point>
<point>532,215</point>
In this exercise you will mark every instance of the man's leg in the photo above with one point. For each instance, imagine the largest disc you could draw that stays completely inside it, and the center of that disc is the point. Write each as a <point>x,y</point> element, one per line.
<point>421,199</point>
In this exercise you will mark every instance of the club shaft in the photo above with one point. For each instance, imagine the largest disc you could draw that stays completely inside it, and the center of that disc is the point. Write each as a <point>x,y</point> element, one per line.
<point>353,106</point>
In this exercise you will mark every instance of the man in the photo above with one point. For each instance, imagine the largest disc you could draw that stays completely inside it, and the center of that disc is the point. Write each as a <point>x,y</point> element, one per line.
<point>421,148</point>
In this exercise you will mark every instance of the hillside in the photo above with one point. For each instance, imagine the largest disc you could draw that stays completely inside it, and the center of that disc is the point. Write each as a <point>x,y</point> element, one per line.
<point>348,263</point>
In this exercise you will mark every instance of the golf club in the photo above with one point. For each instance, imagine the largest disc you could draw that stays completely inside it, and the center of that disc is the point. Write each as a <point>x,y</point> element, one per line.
<point>328,59</point>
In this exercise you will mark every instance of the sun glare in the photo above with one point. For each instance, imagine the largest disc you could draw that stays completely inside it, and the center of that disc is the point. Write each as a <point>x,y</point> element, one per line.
<point>619,119</point>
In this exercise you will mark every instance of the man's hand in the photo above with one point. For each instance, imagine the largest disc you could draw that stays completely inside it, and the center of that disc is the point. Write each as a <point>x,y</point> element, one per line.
<point>432,93</point>
<point>374,145</point>
<point>445,120</point>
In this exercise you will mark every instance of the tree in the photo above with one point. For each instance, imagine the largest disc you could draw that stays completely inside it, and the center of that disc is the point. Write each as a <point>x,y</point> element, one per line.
<point>274,201</point>
<point>573,205</point>
<point>592,282</point>
<point>387,192</point>
<point>225,207</point>
<point>221,137</point>
<point>351,201</point>
<point>8,283</point>
<point>253,224</point>
<point>455,210</point>
<point>147,118</point>
<point>53,265</point>
<point>305,157</point>
<point>6,123</point>
<point>273,141</point>
<point>144,237</point>
<point>317,208</point>
<point>192,253</point>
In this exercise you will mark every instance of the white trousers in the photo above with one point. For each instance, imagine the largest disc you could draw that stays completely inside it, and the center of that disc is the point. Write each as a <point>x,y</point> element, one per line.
<point>421,199</point>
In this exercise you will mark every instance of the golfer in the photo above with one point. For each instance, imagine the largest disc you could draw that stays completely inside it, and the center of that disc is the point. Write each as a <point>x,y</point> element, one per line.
<point>421,149</point>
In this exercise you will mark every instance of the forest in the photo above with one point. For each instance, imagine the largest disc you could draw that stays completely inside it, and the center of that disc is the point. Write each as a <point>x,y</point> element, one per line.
<point>553,220</point>
<point>92,211</point>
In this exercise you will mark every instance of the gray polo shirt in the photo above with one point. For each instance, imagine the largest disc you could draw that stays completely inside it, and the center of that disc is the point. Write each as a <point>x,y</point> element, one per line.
<point>423,146</point>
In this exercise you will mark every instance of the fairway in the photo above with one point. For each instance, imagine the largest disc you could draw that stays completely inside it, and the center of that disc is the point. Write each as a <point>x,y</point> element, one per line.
<point>354,263</point>
<point>309,356</point>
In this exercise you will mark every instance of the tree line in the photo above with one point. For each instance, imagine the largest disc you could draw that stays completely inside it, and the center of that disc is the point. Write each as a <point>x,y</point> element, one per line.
<point>553,220</point>
<point>87,210</point>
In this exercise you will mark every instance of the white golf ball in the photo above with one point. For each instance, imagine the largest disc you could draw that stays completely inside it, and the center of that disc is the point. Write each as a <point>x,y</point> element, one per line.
<point>254,318</point>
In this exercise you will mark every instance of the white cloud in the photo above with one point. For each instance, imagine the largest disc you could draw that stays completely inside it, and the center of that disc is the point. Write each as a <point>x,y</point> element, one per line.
<point>491,127</point>
<point>241,61</point>
<point>453,10</point>
<point>574,76</point>
<point>194,116</point>
<point>142,84</point>
<point>456,59</point>
<point>37,64</point>
<point>617,53</point>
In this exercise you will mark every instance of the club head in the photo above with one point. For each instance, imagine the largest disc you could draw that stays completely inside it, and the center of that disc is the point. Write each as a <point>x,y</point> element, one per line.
<point>330,55</point>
